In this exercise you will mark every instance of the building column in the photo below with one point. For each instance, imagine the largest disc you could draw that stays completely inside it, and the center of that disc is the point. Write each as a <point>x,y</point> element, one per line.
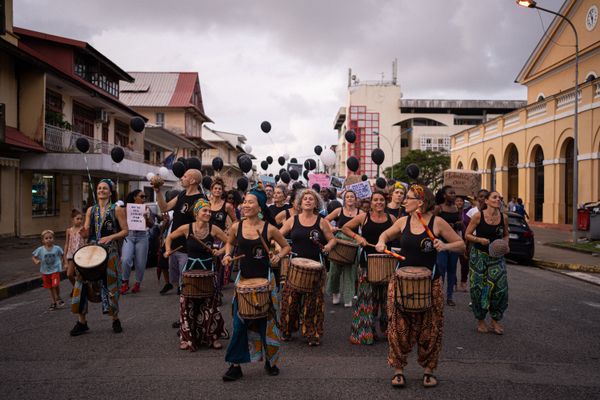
<point>501,180</point>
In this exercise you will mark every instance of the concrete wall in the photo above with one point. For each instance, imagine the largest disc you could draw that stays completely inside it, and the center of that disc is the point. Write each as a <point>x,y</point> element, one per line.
<point>8,89</point>
<point>8,200</point>
<point>32,99</point>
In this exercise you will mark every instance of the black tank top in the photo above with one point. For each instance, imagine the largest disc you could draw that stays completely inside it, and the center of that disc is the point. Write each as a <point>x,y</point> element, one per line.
<point>219,217</point>
<point>183,213</point>
<point>489,232</point>
<point>342,220</point>
<point>393,211</point>
<point>255,263</point>
<point>108,225</point>
<point>304,237</point>
<point>451,218</point>
<point>274,210</point>
<point>197,251</point>
<point>418,249</point>
<point>372,230</point>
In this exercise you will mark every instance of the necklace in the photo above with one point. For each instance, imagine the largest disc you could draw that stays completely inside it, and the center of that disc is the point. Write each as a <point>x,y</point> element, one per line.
<point>99,218</point>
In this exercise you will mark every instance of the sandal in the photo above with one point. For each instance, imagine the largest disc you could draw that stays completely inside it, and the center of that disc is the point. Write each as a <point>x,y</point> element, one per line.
<point>398,381</point>
<point>217,346</point>
<point>183,346</point>
<point>429,380</point>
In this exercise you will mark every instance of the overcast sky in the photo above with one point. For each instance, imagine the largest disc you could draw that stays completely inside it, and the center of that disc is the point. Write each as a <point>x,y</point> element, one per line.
<point>287,61</point>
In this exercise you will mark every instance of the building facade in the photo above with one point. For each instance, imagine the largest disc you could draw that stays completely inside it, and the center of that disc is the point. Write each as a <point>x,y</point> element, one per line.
<point>529,153</point>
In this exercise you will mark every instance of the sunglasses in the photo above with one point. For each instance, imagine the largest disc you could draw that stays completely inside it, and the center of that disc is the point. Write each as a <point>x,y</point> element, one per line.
<point>412,198</point>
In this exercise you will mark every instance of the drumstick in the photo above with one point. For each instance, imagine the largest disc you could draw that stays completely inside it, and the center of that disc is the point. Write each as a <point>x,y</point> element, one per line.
<point>264,244</point>
<point>388,252</point>
<point>238,257</point>
<point>174,250</point>
<point>429,233</point>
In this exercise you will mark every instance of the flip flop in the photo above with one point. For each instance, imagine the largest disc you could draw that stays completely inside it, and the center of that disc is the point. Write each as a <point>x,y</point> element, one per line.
<point>429,380</point>
<point>400,382</point>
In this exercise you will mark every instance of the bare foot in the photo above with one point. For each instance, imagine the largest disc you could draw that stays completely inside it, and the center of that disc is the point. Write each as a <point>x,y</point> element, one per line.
<point>496,328</point>
<point>482,327</point>
<point>217,345</point>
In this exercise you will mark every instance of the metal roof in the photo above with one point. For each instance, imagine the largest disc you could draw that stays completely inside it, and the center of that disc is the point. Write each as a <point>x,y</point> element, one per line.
<point>150,89</point>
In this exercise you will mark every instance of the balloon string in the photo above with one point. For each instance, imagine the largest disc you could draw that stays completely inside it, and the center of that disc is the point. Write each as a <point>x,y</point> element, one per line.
<point>89,178</point>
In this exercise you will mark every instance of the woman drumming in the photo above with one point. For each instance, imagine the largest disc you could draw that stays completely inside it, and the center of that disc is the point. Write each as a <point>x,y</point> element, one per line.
<point>397,195</point>
<point>487,279</point>
<point>200,321</point>
<point>220,210</point>
<point>253,340</point>
<point>424,328</point>
<point>310,235</point>
<point>447,260</point>
<point>371,298</point>
<point>104,224</point>
<point>337,272</point>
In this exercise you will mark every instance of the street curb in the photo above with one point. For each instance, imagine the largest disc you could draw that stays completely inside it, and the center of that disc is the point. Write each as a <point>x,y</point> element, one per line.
<point>565,266</point>
<point>574,275</point>
<point>24,286</point>
<point>557,246</point>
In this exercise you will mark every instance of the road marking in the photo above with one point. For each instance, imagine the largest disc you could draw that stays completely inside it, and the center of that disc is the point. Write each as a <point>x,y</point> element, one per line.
<point>15,305</point>
<point>585,276</point>
<point>591,304</point>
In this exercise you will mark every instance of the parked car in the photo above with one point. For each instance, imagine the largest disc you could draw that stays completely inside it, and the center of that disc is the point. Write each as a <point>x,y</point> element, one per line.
<point>521,241</point>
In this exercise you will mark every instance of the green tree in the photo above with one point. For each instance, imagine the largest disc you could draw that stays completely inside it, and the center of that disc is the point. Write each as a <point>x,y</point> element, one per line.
<point>432,165</point>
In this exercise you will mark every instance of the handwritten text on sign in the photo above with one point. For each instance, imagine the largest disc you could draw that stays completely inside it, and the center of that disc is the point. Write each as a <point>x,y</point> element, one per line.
<point>465,183</point>
<point>135,217</point>
<point>321,179</point>
<point>362,189</point>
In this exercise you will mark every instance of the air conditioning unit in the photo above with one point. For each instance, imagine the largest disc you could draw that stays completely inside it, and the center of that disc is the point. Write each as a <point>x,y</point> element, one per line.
<point>101,115</point>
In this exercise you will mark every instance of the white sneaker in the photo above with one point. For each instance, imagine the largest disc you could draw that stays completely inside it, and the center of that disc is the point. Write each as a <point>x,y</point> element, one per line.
<point>336,298</point>
<point>348,305</point>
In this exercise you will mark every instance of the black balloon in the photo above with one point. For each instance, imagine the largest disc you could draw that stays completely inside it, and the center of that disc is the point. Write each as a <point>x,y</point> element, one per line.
<point>264,165</point>
<point>294,174</point>
<point>294,160</point>
<point>352,163</point>
<point>276,178</point>
<point>206,182</point>
<point>281,160</point>
<point>312,163</point>
<point>412,170</point>
<point>380,183</point>
<point>245,163</point>
<point>316,187</point>
<point>350,136</point>
<point>377,155</point>
<point>364,177</point>
<point>137,124</point>
<point>305,174</point>
<point>82,144</point>
<point>265,126</point>
<point>285,177</point>
<point>194,163</point>
<point>183,161</point>
<point>178,169</point>
<point>270,160</point>
<point>217,163</point>
<point>318,150</point>
<point>117,154</point>
<point>242,183</point>
<point>307,165</point>
<point>281,171</point>
<point>271,175</point>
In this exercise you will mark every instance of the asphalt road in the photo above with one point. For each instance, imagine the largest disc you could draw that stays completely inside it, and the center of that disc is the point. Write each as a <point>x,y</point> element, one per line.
<point>551,349</point>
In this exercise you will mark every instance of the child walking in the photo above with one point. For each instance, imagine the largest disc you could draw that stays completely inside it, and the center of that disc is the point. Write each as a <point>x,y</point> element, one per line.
<point>73,242</point>
<point>48,257</point>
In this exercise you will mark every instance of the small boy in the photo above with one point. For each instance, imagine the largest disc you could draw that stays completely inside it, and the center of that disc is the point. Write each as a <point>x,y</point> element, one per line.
<point>49,257</point>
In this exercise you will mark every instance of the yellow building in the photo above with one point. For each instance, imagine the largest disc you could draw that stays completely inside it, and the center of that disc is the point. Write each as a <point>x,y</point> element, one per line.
<point>529,152</point>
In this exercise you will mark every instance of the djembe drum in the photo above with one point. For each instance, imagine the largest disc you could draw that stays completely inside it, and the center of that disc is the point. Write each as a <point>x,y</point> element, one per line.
<point>198,284</point>
<point>304,274</point>
<point>344,252</point>
<point>380,268</point>
<point>253,297</point>
<point>413,289</point>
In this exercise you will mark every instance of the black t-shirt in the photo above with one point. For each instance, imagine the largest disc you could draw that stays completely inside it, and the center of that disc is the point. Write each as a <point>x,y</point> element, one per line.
<point>183,214</point>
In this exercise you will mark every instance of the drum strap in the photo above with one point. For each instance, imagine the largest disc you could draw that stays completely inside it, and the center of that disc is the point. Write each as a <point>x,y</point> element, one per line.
<point>201,261</point>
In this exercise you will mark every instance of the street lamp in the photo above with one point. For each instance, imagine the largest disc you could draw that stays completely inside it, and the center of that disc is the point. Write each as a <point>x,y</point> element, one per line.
<point>533,4</point>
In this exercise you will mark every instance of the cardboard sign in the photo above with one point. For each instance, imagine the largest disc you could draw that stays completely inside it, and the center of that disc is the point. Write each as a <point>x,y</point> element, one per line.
<point>297,167</point>
<point>135,217</point>
<point>362,189</point>
<point>465,183</point>
<point>266,179</point>
<point>337,182</point>
<point>320,179</point>
<point>352,179</point>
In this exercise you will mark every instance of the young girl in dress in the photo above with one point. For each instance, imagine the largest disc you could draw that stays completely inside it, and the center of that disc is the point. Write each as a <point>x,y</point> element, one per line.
<point>73,242</point>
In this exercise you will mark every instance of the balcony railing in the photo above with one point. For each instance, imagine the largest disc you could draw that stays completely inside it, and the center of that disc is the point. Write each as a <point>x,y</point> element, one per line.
<point>61,140</point>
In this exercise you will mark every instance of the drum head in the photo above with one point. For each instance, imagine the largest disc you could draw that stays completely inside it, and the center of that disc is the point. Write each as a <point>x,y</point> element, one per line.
<point>306,263</point>
<point>198,273</point>
<point>253,283</point>
<point>378,255</point>
<point>414,272</point>
<point>90,256</point>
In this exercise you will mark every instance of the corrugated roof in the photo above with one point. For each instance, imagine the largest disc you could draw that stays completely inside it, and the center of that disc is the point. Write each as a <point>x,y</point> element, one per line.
<point>17,138</point>
<point>184,90</point>
<point>160,87</point>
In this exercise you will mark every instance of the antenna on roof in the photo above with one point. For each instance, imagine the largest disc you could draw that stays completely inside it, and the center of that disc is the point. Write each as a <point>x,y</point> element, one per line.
<point>395,71</point>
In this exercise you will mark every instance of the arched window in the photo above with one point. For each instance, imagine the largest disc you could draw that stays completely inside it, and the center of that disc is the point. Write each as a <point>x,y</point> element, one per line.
<point>460,165</point>
<point>590,76</point>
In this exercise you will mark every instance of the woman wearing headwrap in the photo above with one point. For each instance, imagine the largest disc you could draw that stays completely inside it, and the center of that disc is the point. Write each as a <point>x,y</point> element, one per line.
<point>104,225</point>
<point>419,249</point>
<point>253,340</point>
<point>311,235</point>
<point>200,321</point>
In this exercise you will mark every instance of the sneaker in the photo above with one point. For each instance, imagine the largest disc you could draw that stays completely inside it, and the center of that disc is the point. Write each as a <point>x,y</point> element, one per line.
<point>52,307</point>
<point>79,329</point>
<point>450,302</point>
<point>348,305</point>
<point>271,370</point>
<point>117,328</point>
<point>233,374</point>
<point>175,325</point>
<point>166,288</point>
<point>136,288</point>
<point>60,303</point>
<point>336,298</point>
<point>124,287</point>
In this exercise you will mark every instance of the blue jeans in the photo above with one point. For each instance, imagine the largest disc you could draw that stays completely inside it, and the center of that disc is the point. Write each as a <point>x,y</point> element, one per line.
<point>135,248</point>
<point>446,264</point>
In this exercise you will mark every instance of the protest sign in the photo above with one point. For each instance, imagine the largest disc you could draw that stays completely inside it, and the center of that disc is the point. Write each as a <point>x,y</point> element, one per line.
<point>135,217</point>
<point>321,179</point>
<point>464,183</point>
<point>362,189</point>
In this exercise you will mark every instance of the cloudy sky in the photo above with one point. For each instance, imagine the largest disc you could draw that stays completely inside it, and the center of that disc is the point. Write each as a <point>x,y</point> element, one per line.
<point>287,61</point>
